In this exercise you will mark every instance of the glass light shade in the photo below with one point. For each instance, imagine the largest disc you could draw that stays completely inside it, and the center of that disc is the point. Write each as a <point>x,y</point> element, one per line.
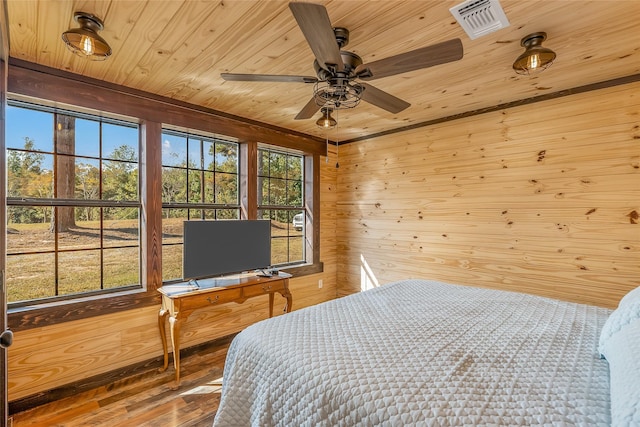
<point>535,57</point>
<point>85,41</point>
<point>326,121</point>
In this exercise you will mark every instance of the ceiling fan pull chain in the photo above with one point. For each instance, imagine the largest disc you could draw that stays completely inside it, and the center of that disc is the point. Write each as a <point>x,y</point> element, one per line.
<point>337,138</point>
<point>327,156</point>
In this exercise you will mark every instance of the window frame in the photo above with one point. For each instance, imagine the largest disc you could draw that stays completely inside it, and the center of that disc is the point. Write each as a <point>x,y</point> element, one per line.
<point>31,81</point>
<point>56,202</point>
<point>300,208</point>
<point>201,205</point>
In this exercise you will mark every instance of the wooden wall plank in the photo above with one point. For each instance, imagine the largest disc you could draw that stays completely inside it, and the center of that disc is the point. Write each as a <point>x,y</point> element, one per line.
<point>539,198</point>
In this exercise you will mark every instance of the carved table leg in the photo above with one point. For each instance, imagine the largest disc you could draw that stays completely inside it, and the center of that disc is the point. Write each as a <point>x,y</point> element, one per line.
<point>289,306</point>
<point>162,319</point>
<point>175,341</point>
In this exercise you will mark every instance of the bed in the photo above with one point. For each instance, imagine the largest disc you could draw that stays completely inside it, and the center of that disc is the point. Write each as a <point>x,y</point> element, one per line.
<point>419,352</point>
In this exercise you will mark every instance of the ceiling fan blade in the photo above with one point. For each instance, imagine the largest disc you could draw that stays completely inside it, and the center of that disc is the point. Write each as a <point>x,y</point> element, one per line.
<point>267,78</point>
<point>382,99</point>
<point>309,110</point>
<point>425,57</point>
<point>314,22</point>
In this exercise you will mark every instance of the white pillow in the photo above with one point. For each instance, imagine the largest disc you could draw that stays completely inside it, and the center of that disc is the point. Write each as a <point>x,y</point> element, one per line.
<point>622,351</point>
<point>632,296</point>
<point>618,320</point>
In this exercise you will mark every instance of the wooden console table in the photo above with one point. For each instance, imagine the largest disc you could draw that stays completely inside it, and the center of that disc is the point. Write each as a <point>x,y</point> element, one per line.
<point>180,300</point>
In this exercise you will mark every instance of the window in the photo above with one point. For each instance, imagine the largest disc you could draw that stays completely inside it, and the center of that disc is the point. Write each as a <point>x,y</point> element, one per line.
<point>281,199</point>
<point>199,181</point>
<point>113,259</point>
<point>72,204</point>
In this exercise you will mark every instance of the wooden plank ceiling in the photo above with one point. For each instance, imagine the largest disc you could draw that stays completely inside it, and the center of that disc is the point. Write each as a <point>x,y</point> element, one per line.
<point>178,49</point>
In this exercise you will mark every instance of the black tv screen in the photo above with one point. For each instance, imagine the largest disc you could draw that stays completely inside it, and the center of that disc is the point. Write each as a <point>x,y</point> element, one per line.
<point>216,248</point>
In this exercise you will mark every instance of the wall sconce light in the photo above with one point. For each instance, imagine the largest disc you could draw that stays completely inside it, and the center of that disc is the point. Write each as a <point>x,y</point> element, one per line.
<point>326,121</point>
<point>535,57</point>
<point>85,41</point>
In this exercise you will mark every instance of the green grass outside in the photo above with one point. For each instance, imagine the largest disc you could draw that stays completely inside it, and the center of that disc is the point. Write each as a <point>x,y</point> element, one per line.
<point>31,276</point>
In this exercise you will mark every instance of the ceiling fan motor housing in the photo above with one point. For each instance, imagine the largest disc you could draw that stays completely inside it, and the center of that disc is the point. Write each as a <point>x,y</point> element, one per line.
<point>342,36</point>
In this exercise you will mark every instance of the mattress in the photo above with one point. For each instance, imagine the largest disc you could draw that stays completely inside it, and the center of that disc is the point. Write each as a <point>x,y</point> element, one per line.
<point>421,352</point>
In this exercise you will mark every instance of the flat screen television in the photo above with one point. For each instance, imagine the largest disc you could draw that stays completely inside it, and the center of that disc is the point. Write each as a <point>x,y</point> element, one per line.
<point>221,247</point>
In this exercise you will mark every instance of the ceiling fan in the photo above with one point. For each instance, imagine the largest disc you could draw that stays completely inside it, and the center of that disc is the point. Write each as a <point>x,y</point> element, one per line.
<point>336,85</point>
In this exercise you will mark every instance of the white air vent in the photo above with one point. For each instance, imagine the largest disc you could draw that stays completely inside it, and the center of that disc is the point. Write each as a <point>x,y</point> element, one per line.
<point>480,17</point>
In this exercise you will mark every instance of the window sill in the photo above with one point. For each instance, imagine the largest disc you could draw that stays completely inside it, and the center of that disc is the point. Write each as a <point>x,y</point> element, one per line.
<point>304,269</point>
<point>40,315</point>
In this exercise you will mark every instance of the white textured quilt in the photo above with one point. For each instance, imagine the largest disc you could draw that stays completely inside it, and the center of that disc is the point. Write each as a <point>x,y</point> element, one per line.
<point>421,353</point>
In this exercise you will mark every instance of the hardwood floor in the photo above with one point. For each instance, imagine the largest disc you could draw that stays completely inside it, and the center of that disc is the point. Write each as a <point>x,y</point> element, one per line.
<point>143,400</point>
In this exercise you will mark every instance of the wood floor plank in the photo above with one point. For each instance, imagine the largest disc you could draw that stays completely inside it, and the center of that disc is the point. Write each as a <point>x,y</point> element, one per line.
<point>146,399</point>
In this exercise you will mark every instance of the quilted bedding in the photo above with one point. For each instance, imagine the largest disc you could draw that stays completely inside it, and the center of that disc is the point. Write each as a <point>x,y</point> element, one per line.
<point>420,352</point>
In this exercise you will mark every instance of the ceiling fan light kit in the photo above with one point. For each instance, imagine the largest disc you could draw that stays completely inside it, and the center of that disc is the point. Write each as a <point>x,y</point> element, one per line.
<point>535,58</point>
<point>85,41</point>
<point>326,121</point>
<point>336,84</point>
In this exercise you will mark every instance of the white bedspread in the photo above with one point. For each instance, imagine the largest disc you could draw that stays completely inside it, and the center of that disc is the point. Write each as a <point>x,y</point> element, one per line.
<point>421,353</point>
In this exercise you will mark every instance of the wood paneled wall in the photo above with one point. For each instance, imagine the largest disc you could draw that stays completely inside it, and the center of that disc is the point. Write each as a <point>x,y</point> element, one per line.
<point>45,358</point>
<point>542,198</point>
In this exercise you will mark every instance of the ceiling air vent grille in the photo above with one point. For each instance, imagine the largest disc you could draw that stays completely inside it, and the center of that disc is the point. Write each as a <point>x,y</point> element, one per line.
<point>480,17</point>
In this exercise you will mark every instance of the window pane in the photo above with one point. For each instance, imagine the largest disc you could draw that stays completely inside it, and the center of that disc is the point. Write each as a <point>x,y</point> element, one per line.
<point>76,234</point>
<point>29,129</point>
<point>28,174</point>
<point>30,277</point>
<point>172,232</point>
<point>195,186</point>
<point>120,142</point>
<point>226,155</point>
<point>208,187</point>
<point>172,262</point>
<point>174,185</point>
<point>297,222</point>
<point>294,167</point>
<point>196,214</point>
<point>85,139</point>
<point>121,227</point>
<point>277,192</point>
<point>29,229</point>
<point>226,189</point>
<point>227,213</point>
<point>208,151</point>
<point>79,271</point>
<point>195,153</point>
<point>294,193</point>
<point>121,267</point>
<point>278,165</point>
<point>287,240</point>
<point>172,220</point>
<point>263,163</point>
<point>174,150</point>
<point>119,180</point>
<point>263,191</point>
<point>87,179</point>
<point>65,177</point>
<point>296,249</point>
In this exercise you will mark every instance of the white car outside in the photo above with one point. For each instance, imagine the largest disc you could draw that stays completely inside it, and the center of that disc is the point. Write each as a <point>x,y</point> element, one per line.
<point>298,221</point>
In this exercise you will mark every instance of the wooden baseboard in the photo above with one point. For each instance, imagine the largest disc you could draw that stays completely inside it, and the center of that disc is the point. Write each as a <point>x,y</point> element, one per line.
<point>106,378</point>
